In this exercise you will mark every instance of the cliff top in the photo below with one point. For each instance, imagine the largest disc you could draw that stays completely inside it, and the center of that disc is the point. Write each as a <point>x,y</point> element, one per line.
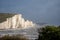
<point>3,16</point>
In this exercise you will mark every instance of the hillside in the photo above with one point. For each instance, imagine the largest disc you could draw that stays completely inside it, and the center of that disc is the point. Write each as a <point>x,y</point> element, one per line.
<point>12,20</point>
<point>4,16</point>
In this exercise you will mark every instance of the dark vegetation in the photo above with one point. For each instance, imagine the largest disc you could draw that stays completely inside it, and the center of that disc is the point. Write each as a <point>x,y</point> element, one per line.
<point>17,37</point>
<point>4,16</point>
<point>49,33</point>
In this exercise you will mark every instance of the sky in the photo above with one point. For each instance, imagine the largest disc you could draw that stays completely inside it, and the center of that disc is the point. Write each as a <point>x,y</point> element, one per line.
<point>39,11</point>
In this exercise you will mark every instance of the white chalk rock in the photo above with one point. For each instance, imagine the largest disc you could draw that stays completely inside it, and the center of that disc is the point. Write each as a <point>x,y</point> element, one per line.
<point>16,21</point>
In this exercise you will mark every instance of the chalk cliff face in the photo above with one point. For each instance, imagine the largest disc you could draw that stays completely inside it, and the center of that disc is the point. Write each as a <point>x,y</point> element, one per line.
<point>15,21</point>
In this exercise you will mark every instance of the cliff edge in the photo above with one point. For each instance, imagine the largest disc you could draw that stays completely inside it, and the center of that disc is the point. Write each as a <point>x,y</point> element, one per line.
<point>8,21</point>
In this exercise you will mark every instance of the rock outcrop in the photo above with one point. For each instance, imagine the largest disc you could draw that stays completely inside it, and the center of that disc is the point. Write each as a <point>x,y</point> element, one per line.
<point>8,21</point>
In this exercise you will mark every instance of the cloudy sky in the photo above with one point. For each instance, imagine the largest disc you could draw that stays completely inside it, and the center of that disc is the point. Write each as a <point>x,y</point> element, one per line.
<point>44,11</point>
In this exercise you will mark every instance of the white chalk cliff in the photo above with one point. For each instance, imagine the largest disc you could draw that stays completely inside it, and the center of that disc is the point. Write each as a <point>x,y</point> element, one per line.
<point>16,21</point>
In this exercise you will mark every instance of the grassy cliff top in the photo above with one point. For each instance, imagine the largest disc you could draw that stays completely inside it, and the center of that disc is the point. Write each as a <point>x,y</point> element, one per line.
<point>4,16</point>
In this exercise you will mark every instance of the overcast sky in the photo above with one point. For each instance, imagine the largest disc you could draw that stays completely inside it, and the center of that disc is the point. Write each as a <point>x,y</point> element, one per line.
<point>46,11</point>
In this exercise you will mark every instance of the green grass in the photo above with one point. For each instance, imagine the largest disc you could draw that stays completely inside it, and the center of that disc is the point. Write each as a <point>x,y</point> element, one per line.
<point>17,37</point>
<point>4,16</point>
<point>49,33</point>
